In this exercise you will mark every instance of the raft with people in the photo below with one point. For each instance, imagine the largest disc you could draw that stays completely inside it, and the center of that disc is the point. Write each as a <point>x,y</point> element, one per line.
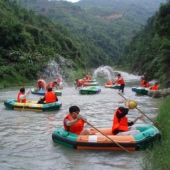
<point>42,92</point>
<point>12,104</point>
<point>90,90</point>
<point>148,134</point>
<point>115,86</point>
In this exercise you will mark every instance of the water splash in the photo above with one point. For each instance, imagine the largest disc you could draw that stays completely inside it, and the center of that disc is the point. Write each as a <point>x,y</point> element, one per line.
<point>53,71</point>
<point>105,72</point>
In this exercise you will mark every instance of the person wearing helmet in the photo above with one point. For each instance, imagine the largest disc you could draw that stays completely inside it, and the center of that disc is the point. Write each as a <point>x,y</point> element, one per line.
<point>121,125</point>
<point>121,82</point>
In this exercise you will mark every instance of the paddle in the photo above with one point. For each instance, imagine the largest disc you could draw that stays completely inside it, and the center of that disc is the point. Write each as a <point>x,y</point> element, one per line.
<point>141,112</point>
<point>26,98</point>
<point>105,135</point>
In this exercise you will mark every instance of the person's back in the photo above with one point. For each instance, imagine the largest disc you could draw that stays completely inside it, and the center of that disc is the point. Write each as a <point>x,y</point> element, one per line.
<point>50,96</point>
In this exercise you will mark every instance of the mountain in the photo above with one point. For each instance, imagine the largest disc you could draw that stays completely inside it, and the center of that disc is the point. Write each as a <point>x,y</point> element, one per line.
<point>100,28</point>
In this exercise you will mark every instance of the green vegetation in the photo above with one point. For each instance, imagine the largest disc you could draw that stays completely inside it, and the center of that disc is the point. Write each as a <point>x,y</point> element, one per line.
<point>157,158</point>
<point>149,51</point>
<point>28,42</point>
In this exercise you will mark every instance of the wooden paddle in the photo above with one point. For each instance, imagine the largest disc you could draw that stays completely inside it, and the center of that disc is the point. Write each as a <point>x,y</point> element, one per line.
<point>27,99</point>
<point>105,135</point>
<point>141,112</point>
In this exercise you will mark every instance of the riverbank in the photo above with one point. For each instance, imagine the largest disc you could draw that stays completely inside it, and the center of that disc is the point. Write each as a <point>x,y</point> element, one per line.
<point>158,157</point>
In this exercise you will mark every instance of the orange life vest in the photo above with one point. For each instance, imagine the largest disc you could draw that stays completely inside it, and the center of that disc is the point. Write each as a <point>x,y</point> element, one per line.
<point>18,98</point>
<point>144,83</point>
<point>109,83</point>
<point>155,87</point>
<point>50,97</point>
<point>79,83</point>
<point>121,125</point>
<point>50,84</point>
<point>120,80</point>
<point>76,128</point>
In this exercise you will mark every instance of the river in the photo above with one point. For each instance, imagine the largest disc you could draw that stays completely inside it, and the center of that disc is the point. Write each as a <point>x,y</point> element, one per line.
<point>26,136</point>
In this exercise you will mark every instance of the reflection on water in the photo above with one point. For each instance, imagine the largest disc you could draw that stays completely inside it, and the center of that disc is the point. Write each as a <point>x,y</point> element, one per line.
<point>26,137</point>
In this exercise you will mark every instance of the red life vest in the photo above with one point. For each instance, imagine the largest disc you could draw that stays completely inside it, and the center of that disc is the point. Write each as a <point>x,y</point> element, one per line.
<point>76,128</point>
<point>50,97</point>
<point>18,98</point>
<point>120,80</point>
<point>121,125</point>
<point>50,84</point>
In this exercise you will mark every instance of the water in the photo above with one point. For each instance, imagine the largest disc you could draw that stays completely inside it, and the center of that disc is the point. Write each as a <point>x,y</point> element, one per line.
<point>26,137</point>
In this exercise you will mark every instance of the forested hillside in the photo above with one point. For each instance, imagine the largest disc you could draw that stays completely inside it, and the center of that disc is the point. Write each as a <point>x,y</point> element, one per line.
<point>28,42</point>
<point>83,35</point>
<point>149,51</point>
<point>103,28</point>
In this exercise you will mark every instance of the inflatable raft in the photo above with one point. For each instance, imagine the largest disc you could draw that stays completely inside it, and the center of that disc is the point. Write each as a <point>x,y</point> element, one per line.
<point>90,90</point>
<point>32,105</point>
<point>139,141</point>
<point>140,90</point>
<point>91,84</point>
<point>42,92</point>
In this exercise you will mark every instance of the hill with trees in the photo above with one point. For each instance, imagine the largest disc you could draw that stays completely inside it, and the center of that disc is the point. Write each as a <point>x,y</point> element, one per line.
<point>149,50</point>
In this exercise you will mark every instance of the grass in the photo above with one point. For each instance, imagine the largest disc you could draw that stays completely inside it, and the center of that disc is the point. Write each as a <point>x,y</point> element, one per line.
<point>157,157</point>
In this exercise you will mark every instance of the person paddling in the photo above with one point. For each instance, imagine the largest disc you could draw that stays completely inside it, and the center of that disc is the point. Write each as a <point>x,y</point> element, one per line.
<point>74,122</point>
<point>22,97</point>
<point>121,125</point>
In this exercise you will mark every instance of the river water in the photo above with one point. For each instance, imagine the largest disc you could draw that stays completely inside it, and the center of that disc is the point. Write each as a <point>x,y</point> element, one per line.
<point>26,136</point>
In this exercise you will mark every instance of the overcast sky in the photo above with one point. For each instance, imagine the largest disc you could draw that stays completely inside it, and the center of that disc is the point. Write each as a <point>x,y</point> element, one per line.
<point>73,0</point>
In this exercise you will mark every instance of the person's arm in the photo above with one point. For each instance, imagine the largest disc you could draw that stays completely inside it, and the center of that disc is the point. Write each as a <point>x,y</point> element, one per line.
<point>72,122</point>
<point>23,96</point>
<point>135,120</point>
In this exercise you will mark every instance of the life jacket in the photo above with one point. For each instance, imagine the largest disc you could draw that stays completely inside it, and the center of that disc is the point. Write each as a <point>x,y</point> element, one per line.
<point>58,80</point>
<point>18,98</point>
<point>120,80</point>
<point>109,83</point>
<point>147,85</point>
<point>142,83</point>
<point>79,83</point>
<point>87,77</point>
<point>119,124</point>
<point>76,128</point>
<point>155,87</point>
<point>50,84</point>
<point>41,83</point>
<point>50,97</point>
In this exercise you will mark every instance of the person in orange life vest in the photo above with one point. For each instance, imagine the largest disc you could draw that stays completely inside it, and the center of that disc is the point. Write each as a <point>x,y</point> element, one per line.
<point>74,122</point>
<point>144,83</point>
<point>110,82</point>
<point>79,83</point>
<point>121,125</point>
<point>155,86</point>
<point>87,77</point>
<point>120,81</point>
<point>22,97</point>
<point>52,85</point>
<point>41,84</point>
<point>49,97</point>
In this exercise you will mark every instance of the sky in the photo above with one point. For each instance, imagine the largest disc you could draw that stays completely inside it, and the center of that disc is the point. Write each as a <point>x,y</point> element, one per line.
<point>73,0</point>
